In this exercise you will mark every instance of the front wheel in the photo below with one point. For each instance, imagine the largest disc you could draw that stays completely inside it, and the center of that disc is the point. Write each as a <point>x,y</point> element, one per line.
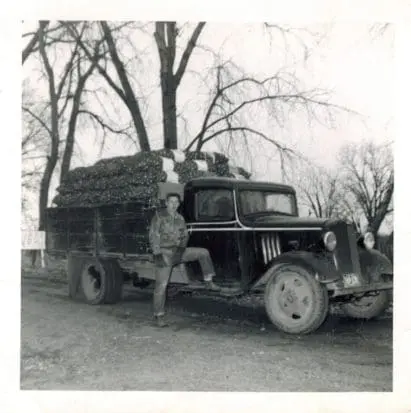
<point>295,302</point>
<point>367,307</point>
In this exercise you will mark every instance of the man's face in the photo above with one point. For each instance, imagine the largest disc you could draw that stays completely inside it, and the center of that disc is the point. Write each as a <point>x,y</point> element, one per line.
<point>172,204</point>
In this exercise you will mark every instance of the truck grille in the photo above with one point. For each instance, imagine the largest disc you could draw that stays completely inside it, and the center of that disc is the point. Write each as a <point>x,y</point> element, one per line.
<point>346,257</point>
<point>270,246</point>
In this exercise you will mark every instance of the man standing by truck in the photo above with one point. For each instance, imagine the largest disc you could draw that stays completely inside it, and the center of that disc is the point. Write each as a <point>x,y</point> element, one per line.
<point>168,240</point>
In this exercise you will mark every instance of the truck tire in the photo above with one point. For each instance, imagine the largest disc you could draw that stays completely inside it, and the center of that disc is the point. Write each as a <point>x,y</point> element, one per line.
<point>367,308</point>
<point>94,281</point>
<point>295,301</point>
<point>115,281</point>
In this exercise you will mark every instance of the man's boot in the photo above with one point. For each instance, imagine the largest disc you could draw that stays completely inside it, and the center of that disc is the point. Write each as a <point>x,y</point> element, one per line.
<point>210,285</point>
<point>160,321</point>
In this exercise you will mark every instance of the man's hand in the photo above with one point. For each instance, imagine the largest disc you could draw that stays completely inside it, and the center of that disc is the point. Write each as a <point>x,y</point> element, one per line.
<point>159,260</point>
<point>178,255</point>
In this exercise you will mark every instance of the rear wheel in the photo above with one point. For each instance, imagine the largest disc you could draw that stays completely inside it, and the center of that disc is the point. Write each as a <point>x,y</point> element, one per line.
<point>95,281</point>
<point>367,307</point>
<point>295,302</point>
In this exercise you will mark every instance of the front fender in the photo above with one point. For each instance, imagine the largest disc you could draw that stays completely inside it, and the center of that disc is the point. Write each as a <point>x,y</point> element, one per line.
<point>373,264</point>
<point>317,264</point>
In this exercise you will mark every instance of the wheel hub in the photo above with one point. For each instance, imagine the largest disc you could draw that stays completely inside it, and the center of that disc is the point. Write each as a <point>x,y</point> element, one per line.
<point>294,297</point>
<point>91,281</point>
<point>291,296</point>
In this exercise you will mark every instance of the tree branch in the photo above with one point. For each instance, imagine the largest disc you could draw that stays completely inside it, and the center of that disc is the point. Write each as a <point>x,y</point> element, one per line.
<point>70,138</point>
<point>220,94</point>
<point>68,69</point>
<point>188,51</point>
<point>68,95</point>
<point>42,123</point>
<point>250,130</point>
<point>101,69</point>
<point>101,122</point>
<point>132,103</point>
<point>49,70</point>
<point>28,50</point>
<point>272,88</point>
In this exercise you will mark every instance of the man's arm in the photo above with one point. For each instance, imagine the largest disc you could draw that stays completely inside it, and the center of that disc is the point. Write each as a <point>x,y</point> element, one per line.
<point>154,235</point>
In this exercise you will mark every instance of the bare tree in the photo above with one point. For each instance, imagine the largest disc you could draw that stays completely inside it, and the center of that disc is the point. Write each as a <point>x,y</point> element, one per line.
<point>165,35</point>
<point>52,128</point>
<point>349,210</point>
<point>81,75</point>
<point>368,176</point>
<point>319,190</point>
<point>236,93</point>
<point>232,95</point>
<point>56,116</point>
<point>125,91</point>
<point>65,88</point>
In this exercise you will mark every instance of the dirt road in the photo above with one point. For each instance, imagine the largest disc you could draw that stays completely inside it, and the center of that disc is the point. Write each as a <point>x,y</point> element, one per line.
<point>212,345</point>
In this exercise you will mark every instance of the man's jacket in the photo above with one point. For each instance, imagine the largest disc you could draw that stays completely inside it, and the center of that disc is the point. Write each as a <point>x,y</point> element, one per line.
<point>167,232</point>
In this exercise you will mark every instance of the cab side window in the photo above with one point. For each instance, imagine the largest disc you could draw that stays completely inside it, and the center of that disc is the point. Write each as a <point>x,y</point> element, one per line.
<point>214,205</point>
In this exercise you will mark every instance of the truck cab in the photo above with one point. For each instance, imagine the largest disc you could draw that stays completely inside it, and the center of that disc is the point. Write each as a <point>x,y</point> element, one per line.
<point>220,215</point>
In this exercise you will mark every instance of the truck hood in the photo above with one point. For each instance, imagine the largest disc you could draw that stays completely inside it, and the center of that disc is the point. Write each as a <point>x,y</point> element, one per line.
<point>272,220</point>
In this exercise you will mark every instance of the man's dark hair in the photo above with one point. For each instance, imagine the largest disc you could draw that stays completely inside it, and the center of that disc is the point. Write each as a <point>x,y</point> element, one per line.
<point>173,194</point>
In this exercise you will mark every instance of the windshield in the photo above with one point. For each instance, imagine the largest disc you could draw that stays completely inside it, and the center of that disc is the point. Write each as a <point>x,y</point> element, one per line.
<point>254,201</point>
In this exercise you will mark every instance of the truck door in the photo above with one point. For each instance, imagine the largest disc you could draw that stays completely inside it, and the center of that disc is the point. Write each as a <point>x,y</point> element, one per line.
<point>213,227</point>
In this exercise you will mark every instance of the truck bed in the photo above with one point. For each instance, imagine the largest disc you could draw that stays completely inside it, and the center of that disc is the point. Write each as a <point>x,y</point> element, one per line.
<point>116,229</point>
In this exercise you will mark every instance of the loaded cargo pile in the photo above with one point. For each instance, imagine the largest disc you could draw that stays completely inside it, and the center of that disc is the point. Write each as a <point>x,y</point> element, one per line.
<point>136,177</point>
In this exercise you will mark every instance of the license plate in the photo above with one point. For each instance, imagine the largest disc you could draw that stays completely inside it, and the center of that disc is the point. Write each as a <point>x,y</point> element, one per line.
<point>351,280</point>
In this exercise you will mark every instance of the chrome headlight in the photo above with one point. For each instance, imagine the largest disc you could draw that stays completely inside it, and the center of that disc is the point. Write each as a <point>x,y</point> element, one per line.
<point>369,240</point>
<point>330,240</point>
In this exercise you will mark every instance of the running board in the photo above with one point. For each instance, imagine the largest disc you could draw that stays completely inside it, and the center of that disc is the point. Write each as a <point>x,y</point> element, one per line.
<point>225,291</point>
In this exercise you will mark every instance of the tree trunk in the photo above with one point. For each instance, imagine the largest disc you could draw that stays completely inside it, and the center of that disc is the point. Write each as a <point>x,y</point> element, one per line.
<point>45,186</point>
<point>166,36</point>
<point>129,97</point>
<point>54,135</point>
<point>68,151</point>
<point>169,101</point>
<point>69,148</point>
<point>374,222</point>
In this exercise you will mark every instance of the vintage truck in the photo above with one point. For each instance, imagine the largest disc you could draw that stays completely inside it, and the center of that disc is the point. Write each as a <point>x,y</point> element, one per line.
<point>257,241</point>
